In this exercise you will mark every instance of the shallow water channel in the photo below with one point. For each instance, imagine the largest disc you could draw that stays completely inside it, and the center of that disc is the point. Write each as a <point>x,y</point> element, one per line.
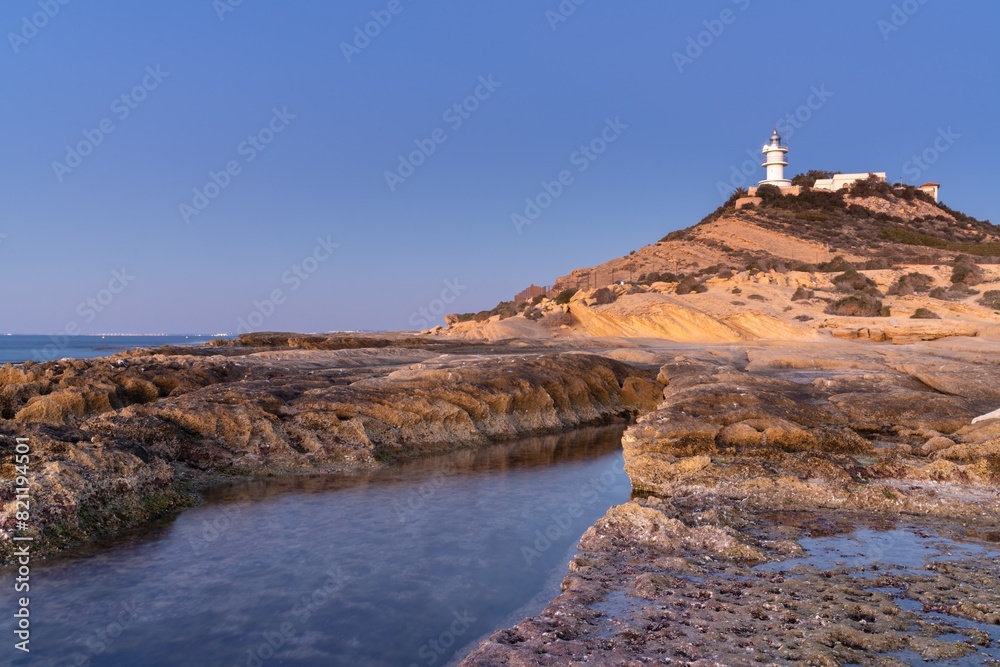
<point>410,565</point>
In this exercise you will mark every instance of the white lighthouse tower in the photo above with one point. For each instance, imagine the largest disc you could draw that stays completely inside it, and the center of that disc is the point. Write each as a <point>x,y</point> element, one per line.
<point>775,161</point>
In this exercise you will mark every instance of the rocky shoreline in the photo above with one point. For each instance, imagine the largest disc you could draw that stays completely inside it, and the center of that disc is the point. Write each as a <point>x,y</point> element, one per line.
<point>757,450</point>
<point>746,459</point>
<point>119,441</point>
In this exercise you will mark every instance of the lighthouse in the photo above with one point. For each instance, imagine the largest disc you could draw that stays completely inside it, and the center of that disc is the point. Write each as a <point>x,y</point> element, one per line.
<point>775,161</point>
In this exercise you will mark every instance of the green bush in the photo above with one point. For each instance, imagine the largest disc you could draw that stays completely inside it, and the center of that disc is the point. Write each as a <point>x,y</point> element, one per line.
<point>738,193</point>
<point>912,283</point>
<point>803,294</point>
<point>504,309</point>
<point>563,297</point>
<point>813,215</point>
<point>838,263</point>
<point>966,271</point>
<point>991,299</point>
<point>873,186</point>
<point>954,293</point>
<point>650,278</point>
<point>691,284</point>
<point>858,305</point>
<point>925,314</point>
<point>852,281</point>
<point>809,178</point>
<point>910,237</point>
<point>769,193</point>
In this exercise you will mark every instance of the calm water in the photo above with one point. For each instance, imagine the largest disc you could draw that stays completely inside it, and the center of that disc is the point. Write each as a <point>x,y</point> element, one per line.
<point>15,349</point>
<point>408,566</point>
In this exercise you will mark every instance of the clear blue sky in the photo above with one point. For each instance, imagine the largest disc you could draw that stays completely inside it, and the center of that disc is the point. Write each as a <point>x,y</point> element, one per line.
<point>890,93</point>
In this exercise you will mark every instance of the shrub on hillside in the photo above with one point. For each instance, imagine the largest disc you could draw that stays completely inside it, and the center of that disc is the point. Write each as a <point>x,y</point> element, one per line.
<point>563,297</point>
<point>873,186</point>
<point>803,294</point>
<point>925,314</point>
<point>858,305</point>
<point>769,193</point>
<point>838,263</point>
<point>966,271</point>
<point>691,284</point>
<point>804,267</point>
<point>504,309</point>
<point>991,299</point>
<point>809,178</point>
<point>910,237</point>
<point>653,277</point>
<point>738,193</point>
<point>852,281</point>
<point>912,283</point>
<point>813,215</point>
<point>954,293</point>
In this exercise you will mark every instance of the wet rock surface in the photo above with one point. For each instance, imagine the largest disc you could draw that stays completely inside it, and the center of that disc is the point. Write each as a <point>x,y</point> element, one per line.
<point>804,504</point>
<point>124,439</point>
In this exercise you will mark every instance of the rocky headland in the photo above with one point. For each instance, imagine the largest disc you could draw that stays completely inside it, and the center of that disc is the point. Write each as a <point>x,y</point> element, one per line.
<point>819,484</point>
<point>812,374</point>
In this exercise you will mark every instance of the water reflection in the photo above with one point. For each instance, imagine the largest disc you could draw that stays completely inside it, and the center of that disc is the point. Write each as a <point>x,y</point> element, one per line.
<point>405,566</point>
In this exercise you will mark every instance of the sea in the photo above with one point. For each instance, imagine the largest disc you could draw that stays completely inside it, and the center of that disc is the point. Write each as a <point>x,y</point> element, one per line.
<point>16,348</point>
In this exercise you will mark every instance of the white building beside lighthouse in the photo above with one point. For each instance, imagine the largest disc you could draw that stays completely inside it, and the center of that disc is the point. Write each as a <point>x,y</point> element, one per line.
<point>775,161</point>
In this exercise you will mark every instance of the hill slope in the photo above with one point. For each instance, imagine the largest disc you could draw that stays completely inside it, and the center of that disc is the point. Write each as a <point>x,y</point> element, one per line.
<point>879,262</point>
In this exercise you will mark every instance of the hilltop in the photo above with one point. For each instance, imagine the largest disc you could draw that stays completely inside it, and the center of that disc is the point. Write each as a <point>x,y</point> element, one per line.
<point>876,261</point>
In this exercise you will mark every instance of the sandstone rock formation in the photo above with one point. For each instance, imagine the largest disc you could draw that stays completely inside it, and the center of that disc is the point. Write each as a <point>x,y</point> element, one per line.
<point>773,272</point>
<point>118,441</point>
<point>754,449</point>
